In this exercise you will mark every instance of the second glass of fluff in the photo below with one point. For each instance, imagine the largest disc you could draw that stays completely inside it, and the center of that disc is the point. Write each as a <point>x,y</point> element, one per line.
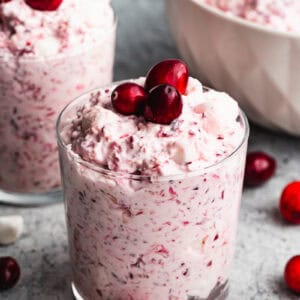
<point>46,59</point>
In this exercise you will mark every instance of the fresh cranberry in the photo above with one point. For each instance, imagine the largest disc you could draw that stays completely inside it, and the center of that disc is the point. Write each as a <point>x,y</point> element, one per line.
<point>260,167</point>
<point>171,71</point>
<point>292,274</point>
<point>164,104</point>
<point>44,4</point>
<point>9,272</point>
<point>289,205</point>
<point>4,1</point>
<point>129,98</point>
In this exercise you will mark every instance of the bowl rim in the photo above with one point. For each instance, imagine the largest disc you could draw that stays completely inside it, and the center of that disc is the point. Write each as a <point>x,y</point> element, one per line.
<point>244,23</point>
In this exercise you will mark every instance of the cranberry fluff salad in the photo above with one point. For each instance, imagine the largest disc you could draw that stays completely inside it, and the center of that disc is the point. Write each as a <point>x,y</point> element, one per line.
<point>282,15</point>
<point>50,52</point>
<point>152,171</point>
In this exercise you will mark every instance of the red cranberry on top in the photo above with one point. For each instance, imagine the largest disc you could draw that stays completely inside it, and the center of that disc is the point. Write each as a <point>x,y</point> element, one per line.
<point>44,5</point>
<point>129,98</point>
<point>172,71</point>
<point>164,104</point>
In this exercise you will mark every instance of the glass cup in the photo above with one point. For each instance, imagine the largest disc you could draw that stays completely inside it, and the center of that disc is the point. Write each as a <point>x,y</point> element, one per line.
<point>142,237</point>
<point>33,91</point>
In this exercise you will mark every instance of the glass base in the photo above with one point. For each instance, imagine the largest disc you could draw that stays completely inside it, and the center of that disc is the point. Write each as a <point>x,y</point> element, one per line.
<point>27,199</point>
<point>75,293</point>
<point>220,292</point>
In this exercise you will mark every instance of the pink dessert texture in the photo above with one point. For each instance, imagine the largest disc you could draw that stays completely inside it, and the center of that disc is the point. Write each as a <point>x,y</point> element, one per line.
<point>282,15</point>
<point>152,209</point>
<point>47,58</point>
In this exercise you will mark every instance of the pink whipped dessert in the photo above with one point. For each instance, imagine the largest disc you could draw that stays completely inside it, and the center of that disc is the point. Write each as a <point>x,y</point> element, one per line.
<point>47,58</point>
<point>282,15</point>
<point>152,208</point>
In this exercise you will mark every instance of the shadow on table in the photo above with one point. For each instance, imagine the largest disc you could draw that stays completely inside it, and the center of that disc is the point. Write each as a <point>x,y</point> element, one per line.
<point>283,293</point>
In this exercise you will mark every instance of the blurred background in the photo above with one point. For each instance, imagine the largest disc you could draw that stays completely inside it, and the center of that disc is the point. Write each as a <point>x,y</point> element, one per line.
<point>143,37</point>
<point>264,244</point>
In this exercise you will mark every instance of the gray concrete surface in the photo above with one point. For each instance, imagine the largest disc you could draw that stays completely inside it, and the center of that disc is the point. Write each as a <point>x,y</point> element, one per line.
<point>264,244</point>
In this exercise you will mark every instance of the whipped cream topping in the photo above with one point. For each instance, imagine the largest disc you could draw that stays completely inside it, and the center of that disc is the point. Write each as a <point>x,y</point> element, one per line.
<point>282,15</point>
<point>208,130</point>
<point>76,23</point>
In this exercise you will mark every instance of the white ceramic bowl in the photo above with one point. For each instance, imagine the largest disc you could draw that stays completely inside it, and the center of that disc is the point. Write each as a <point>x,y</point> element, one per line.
<point>259,67</point>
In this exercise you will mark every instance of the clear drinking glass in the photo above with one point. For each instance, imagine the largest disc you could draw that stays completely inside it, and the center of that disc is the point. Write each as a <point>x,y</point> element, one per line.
<point>143,238</point>
<point>33,91</point>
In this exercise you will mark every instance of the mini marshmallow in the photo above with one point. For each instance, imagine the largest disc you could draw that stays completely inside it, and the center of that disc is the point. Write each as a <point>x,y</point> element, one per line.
<point>11,228</point>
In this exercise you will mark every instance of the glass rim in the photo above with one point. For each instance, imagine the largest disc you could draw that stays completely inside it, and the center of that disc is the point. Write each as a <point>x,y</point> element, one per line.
<point>246,23</point>
<point>152,178</point>
<point>79,50</point>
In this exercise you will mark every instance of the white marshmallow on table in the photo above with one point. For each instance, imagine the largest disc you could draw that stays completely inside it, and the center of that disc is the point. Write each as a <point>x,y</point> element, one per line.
<point>11,228</point>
